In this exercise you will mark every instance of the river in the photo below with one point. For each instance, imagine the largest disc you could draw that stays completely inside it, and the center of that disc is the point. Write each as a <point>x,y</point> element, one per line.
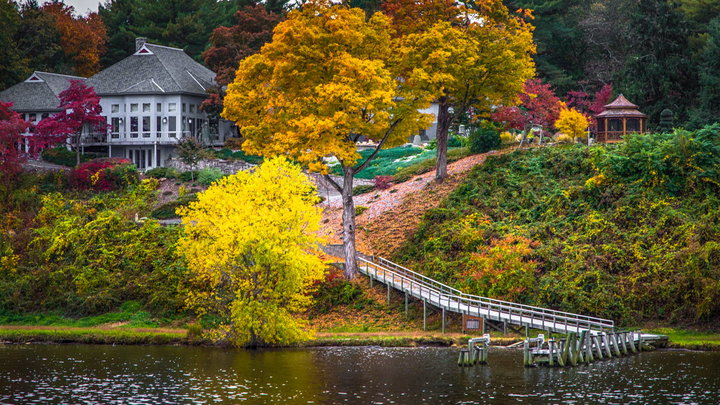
<point>88,374</point>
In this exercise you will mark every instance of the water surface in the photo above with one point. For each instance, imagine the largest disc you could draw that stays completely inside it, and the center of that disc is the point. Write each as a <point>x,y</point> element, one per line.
<point>88,374</point>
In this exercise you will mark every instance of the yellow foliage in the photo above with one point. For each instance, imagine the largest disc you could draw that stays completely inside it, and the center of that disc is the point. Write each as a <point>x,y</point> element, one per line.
<point>482,62</point>
<point>251,242</point>
<point>323,81</point>
<point>562,138</point>
<point>572,123</point>
<point>506,137</point>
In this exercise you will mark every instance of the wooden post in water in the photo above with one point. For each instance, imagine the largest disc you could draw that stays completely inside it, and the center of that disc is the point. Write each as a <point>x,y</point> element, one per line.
<point>527,355</point>
<point>598,349</point>
<point>631,340</point>
<point>560,350</point>
<point>551,352</point>
<point>588,348</point>
<point>572,348</point>
<point>606,344</point>
<point>616,349</point>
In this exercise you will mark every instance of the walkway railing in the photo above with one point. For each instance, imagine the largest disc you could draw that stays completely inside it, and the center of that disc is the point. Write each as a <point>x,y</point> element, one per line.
<point>451,299</point>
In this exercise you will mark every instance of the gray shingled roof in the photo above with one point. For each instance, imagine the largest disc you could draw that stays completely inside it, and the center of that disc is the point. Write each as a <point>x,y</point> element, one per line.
<point>166,70</point>
<point>38,96</point>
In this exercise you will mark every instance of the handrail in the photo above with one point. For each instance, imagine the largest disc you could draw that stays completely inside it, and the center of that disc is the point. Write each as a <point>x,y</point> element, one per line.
<point>430,287</point>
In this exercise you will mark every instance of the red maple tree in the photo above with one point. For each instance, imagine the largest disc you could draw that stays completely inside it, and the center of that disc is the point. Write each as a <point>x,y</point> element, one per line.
<point>79,108</point>
<point>590,105</point>
<point>539,106</point>
<point>232,44</point>
<point>12,127</point>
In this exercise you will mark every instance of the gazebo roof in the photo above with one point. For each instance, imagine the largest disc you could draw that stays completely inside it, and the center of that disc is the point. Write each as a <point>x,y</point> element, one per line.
<point>620,108</point>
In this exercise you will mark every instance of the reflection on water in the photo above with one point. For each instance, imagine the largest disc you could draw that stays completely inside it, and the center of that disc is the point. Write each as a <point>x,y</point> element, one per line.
<point>81,374</point>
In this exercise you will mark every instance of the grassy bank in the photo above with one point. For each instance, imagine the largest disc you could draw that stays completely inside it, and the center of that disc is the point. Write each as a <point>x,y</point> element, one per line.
<point>68,334</point>
<point>688,339</point>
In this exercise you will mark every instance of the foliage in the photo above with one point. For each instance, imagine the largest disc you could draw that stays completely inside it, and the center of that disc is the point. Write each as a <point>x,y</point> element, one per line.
<point>13,67</point>
<point>79,108</point>
<point>12,126</point>
<point>388,161</point>
<point>250,242</point>
<point>484,139</point>
<point>666,121</point>
<point>539,106</point>
<point>480,61</point>
<point>191,151</point>
<point>89,256</point>
<point>230,45</point>
<point>362,189</point>
<point>60,155</point>
<point>189,175</point>
<point>208,176</point>
<point>104,175</point>
<point>572,123</point>
<point>382,182</point>
<point>627,231</point>
<point>239,154</point>
<point>82,38</point>
<point>163,173</point>
<point>324,83</point>
<point>359,209</point>
<point>428,164</point>
<point>169,210</point>
<point>334,291</point>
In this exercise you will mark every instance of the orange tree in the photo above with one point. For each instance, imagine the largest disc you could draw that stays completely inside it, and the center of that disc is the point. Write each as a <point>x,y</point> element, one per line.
<point>323,84</point>
<point>475,58</point>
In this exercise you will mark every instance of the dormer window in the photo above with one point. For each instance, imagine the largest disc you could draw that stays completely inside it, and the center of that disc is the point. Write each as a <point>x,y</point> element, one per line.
<point>143,51</point>
<point>34,79</point>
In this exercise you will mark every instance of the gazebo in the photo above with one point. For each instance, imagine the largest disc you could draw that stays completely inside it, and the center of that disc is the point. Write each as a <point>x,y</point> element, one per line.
<point>620,117</point>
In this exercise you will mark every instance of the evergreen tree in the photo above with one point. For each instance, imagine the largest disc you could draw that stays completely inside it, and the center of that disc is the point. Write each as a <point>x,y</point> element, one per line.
<point>13,67</point>
<point>708,109</point>
<point>661,74</point>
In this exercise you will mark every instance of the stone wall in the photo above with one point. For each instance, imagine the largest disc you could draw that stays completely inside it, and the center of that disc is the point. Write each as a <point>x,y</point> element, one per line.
<point>225,166</point>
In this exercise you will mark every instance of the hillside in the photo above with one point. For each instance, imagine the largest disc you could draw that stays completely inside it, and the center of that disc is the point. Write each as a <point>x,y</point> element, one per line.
<point>630,232</point>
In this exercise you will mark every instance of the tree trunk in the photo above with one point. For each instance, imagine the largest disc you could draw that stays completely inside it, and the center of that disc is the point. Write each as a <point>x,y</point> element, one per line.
<point>77,150</point>
<point>442,140</point>
<point>349,224</point>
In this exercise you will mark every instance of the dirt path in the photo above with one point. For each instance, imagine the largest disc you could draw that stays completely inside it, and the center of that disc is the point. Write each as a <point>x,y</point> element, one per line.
<point>394,214</point>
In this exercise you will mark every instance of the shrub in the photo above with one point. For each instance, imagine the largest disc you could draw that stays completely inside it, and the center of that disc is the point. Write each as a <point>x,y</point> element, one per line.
<point>61,156</point>
<point>507,138</point>
<point>234,143</point>
<point>189,175</point>
<point>562,138</point>
<point>104,174</point>
<point>382,182</point>
<point>484,139</point>
<point>360,209</point>
<point>167,211</point>
<point>163,172</point>
<point>362,189</point>
<point>454,141</point>
<point>208,176</point>
<point>334,291</point>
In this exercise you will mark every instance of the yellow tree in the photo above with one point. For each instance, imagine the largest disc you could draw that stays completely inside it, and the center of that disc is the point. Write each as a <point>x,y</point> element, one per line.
<point>572,123</point>
<point>318,88</point>
<point>251,241</point>
<point>479,60</point>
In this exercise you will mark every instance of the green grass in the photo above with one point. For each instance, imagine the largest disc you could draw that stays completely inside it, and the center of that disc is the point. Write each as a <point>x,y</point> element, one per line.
<point>93,335</point>
<point>129,313</point>
<point>688,339</point>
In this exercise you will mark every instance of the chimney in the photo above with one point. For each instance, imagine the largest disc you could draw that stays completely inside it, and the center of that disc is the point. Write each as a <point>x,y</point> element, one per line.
<point>139,42</point>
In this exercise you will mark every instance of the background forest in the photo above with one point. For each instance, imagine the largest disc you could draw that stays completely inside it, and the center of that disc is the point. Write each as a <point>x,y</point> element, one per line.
<point>660,54</point>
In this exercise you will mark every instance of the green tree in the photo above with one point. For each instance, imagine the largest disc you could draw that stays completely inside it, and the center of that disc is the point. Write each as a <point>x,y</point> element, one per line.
<point>250,242</point>
<point>13,67</point>
<point>661,73</point>
<point>39,40</point>
<point>708,105</point>
<point>191,151</point>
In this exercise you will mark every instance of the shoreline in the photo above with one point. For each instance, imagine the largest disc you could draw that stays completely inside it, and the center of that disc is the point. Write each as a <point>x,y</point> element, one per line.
<point>26,334</point>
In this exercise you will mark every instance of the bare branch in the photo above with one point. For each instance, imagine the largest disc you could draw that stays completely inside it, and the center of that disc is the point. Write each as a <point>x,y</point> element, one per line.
<point>332,182</point>
<point>377,149</point>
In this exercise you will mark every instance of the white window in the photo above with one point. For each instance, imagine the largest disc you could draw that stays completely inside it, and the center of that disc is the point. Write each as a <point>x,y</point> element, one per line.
<point>158,107</point>
<point>172,107</point>
<point>183,107</point>
<point>146,107</point>
<point>133,107</point>
<point>133,127</point>
<point>146,126</point>
<point>192,108</point>
<point>115,108</point>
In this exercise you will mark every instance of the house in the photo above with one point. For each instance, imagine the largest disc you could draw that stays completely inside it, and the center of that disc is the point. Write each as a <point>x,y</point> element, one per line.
<point>37,97</point>
<point>151,100</point>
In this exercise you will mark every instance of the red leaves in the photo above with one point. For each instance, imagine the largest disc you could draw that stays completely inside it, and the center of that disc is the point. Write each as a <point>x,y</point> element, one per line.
<point>81,38</point>
<point>230,45</point>
<point>12,127</point>
<point>97,175</point>
<point>540,106</point>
